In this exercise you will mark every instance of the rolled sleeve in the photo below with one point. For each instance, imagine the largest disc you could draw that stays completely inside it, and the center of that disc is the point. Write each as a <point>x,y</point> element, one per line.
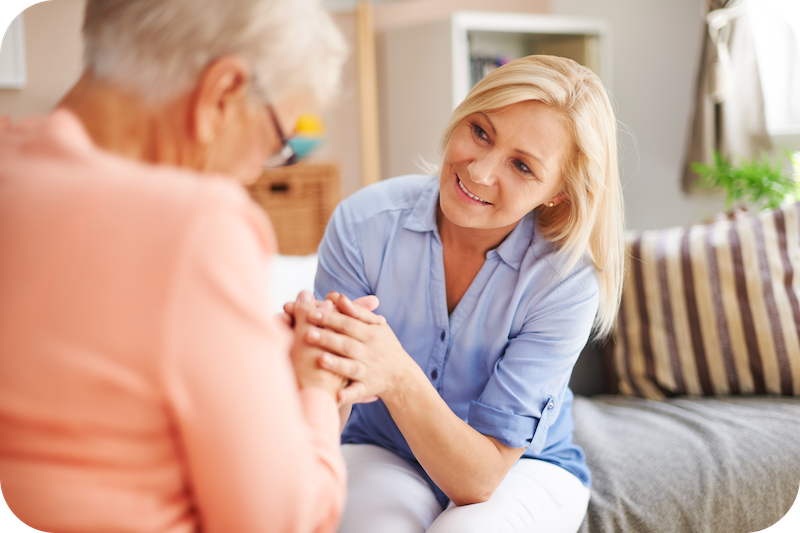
<point>512,430</point>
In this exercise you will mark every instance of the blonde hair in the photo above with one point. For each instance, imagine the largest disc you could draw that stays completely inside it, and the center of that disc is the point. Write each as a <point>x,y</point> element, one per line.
<point>158,48</point>
<point>590,218</point>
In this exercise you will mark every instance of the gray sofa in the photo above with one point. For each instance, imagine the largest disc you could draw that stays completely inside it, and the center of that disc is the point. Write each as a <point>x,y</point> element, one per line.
<point>709,330</point>
<point>685,464</point>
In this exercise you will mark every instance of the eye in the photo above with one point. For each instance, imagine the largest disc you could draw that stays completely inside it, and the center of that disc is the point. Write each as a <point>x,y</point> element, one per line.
<point>522,167</point>
<point>479,132</point>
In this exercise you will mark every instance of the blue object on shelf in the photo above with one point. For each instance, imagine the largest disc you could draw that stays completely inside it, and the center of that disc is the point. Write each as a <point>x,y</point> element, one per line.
<point>303,146</point>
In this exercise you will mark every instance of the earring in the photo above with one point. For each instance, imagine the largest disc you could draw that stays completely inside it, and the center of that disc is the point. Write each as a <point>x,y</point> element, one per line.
<point>551,204</point>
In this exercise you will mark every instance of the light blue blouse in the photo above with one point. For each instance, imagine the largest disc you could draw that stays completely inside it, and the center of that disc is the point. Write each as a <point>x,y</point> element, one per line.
<point>502,360</point>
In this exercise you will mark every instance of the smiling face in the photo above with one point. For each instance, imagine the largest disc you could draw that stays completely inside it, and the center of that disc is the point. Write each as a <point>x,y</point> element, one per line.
<point>501,164</point>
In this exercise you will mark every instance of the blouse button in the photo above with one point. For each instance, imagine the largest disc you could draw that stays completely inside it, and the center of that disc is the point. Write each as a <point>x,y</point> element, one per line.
<point>434,373</point>
<point>550,405</point>
<point>442,335</point>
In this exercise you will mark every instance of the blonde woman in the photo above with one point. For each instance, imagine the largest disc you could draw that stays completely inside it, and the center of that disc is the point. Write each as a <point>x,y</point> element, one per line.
<point>144,386</point>
<point>491,277</point>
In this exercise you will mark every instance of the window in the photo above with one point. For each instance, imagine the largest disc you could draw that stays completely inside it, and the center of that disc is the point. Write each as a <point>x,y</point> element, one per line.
<point>778,53</point>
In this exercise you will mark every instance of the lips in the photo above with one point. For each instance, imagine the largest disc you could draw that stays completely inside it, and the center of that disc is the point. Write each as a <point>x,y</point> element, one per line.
<point>468,193</point>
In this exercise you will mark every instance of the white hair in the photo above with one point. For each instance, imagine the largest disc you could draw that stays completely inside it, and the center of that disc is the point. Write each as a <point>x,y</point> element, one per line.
<point>158,48</point>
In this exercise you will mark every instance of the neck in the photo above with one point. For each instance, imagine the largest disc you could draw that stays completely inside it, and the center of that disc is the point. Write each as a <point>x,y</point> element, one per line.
<point>471,240</point>
<point>122,123</point>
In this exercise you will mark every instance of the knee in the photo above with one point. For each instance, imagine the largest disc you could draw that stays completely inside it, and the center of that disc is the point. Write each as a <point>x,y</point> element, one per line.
<point>467,519</point>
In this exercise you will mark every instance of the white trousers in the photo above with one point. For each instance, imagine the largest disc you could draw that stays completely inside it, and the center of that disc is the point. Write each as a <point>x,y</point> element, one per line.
<point>386,495</point>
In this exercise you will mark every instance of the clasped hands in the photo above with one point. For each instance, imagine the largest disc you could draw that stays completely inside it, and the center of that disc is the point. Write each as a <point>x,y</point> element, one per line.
<point>360,357</point>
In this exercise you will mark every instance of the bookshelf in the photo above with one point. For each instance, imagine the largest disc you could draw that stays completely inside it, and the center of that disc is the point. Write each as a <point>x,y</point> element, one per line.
<point>426,70</point>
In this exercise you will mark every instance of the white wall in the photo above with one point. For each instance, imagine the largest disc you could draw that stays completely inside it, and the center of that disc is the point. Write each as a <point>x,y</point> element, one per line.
<point>655,52</point>
<point>347,6</point>
<point>341,117</point>
<point>53,49</point>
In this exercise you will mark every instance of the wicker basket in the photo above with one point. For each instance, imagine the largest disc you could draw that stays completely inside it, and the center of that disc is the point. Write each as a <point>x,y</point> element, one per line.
<point>299,200</point>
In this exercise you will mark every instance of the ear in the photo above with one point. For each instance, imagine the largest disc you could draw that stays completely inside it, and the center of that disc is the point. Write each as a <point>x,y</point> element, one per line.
<point>221,90</point>
<point>555,200</point>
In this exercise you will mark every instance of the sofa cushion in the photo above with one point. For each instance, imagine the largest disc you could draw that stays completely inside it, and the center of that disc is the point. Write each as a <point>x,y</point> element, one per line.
<point>704,465</point>
<point>712,309</point>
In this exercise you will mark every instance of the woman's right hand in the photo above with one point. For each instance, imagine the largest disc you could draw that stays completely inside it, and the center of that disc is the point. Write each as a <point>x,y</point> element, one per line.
<point>302,351</point>
<point>361,346</point>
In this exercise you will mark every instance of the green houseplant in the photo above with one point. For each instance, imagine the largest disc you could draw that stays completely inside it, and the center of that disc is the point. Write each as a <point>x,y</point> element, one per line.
<point>755,183</point>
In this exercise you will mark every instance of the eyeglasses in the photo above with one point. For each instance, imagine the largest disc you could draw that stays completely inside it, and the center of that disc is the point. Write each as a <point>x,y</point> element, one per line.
<point>287,154</point>
<point>309,134</point>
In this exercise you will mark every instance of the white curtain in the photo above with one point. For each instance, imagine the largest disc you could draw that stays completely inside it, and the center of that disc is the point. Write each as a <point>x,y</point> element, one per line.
<point>729,114</point>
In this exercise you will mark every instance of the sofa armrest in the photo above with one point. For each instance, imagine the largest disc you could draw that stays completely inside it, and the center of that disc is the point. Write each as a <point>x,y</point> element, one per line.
<point>594,372</point>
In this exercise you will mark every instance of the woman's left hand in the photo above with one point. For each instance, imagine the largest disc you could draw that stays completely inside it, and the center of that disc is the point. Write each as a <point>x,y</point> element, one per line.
<point>365,347</point>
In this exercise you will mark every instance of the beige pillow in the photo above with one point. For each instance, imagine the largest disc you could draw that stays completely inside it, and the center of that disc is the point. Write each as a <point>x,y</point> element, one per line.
<point>712,309</point>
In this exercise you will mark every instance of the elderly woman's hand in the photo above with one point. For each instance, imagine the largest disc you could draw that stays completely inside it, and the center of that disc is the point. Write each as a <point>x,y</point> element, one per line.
<point>305,356</point>
<point>369,302</point>
<point>365,347</point>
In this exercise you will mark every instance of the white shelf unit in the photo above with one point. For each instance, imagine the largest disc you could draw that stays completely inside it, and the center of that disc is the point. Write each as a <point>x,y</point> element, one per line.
<point>424,71</point>
<point>13,73</point>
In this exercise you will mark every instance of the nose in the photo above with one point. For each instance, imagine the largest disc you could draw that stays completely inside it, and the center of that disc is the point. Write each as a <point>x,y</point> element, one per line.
<point>485,170</point>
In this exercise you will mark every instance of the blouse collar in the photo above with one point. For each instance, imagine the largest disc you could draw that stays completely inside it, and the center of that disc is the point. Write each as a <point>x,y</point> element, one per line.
<point>511,250</point>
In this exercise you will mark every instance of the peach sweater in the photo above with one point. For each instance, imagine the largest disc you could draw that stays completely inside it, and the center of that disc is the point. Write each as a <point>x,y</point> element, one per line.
<point>143,384</point>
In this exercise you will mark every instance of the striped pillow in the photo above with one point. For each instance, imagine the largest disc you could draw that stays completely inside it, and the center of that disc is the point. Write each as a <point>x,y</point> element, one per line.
<point>712,309</point>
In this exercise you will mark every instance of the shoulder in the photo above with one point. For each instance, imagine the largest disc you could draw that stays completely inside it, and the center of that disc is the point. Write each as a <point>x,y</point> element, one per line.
<point>385,197</point>
<point>156,209</point>
<point>559,275</point>
<point>186,202</point>
<point>174,197</point>
<point>52,160</point>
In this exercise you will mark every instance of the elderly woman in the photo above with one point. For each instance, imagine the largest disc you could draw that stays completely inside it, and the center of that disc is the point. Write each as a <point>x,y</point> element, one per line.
<point>144,385</point>
<point>491,276</point>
